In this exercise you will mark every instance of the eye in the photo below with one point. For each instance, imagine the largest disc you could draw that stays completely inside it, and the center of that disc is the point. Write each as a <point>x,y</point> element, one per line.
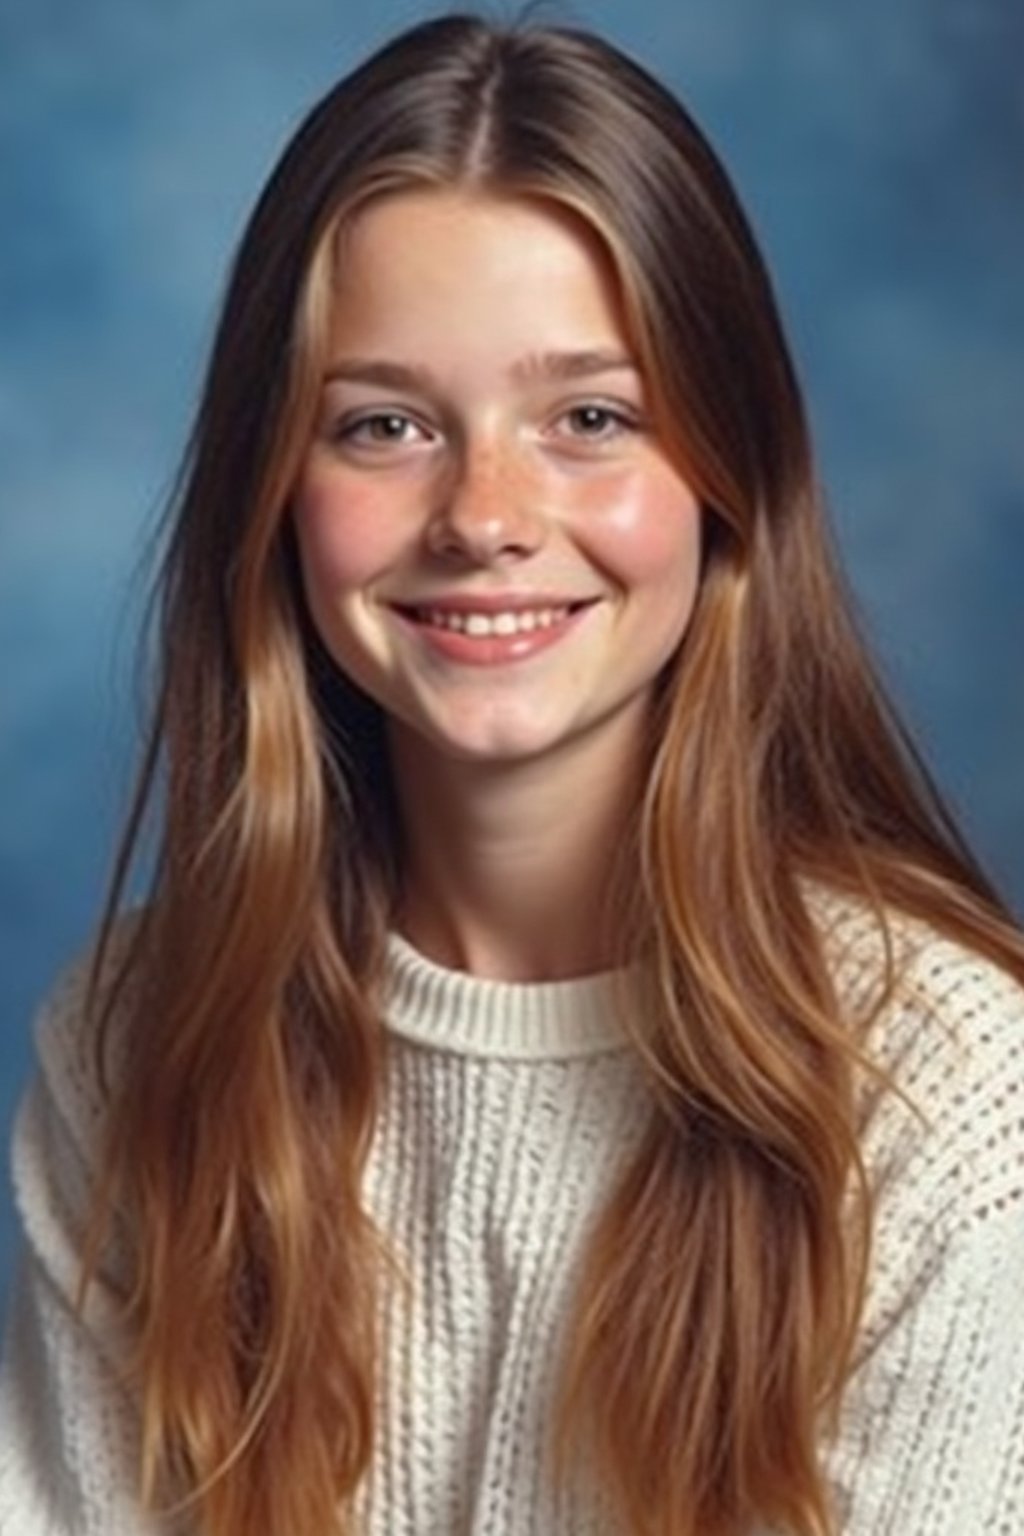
<point>592,421</point>
<point>377,429</point>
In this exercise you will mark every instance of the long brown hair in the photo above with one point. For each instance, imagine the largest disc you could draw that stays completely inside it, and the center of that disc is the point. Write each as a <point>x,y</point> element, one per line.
<point>723,1283</point>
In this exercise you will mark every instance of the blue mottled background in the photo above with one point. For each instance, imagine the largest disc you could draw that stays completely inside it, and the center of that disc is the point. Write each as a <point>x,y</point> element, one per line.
<point>880,150</point>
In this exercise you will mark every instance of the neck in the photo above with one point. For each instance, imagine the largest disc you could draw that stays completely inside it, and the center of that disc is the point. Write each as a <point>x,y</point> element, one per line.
<point>508,867</point>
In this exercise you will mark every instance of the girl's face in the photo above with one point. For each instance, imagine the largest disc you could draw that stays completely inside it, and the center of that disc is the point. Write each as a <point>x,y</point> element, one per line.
<point>493,541</point>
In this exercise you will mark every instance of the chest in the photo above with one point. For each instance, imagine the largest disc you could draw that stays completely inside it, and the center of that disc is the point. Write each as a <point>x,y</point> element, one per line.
<point>486,1176</point>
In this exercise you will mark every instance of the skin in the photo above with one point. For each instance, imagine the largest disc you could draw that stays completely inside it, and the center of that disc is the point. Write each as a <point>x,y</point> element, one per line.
<point>489,476</point>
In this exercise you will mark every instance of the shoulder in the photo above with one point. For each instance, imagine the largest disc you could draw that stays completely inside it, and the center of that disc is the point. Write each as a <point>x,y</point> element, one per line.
<point>946,1002</point>
<point>73,1078</point>
<point>943,1114</point>
<point>60,1130</point>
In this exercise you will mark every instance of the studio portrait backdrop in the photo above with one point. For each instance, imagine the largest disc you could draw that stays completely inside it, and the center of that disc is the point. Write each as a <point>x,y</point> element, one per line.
<point>880,151</point>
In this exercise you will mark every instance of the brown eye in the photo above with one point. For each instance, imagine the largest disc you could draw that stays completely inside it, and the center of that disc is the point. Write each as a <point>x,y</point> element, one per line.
<point>382,427</point>
<point>594,422</point>
<point>591,420</point>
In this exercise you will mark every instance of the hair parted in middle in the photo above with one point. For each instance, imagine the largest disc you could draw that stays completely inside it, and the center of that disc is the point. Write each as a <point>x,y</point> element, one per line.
<point>724,1281</point>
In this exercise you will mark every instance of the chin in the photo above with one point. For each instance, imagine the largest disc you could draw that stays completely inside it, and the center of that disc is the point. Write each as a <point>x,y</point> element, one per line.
<point>488,742</point>
<point>500,751</point>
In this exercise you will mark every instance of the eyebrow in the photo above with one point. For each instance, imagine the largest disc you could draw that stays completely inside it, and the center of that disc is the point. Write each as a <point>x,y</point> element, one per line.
<point>557,366</point>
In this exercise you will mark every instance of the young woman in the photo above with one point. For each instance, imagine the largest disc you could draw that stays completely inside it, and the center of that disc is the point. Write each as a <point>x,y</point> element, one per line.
<point>566,1078</point>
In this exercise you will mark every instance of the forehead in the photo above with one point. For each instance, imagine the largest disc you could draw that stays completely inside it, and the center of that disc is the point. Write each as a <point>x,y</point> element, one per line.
<point>450,265</point>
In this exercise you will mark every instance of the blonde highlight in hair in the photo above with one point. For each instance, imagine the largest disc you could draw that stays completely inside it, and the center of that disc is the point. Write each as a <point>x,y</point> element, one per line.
<point>723,1284</point>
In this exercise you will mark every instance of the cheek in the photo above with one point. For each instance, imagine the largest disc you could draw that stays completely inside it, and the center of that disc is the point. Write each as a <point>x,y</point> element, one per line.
<point>346,536</point>
<point>647,535</point>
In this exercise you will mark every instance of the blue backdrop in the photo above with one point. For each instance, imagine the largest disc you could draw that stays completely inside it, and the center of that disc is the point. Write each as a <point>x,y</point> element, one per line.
<point>880,150</point>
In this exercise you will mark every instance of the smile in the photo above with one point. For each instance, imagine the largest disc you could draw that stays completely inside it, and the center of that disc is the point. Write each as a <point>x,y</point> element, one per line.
<point>491,636</point>
<point>482,625</point>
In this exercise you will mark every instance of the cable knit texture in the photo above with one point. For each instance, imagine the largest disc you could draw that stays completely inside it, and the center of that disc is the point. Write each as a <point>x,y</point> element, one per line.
<point>509,1110</point>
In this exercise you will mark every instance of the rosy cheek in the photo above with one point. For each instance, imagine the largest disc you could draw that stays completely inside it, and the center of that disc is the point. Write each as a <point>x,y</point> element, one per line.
<point>347,533</point>
<point>642,526</point>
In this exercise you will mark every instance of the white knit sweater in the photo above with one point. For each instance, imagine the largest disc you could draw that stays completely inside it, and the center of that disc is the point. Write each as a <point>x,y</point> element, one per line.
<point>508,1111</point>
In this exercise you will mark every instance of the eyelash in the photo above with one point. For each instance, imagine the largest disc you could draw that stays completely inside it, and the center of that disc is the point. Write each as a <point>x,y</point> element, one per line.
<point>346,430</point>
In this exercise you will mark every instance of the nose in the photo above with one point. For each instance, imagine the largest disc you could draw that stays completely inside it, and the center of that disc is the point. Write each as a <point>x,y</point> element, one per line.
<point>485,511</point>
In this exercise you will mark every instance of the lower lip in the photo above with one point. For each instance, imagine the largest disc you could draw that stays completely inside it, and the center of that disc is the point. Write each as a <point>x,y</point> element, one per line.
<point>491,650</point>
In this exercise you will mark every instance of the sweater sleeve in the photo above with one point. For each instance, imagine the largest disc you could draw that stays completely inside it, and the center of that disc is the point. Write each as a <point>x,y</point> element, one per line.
<point>931,1438</point>
<point>68,1423</point>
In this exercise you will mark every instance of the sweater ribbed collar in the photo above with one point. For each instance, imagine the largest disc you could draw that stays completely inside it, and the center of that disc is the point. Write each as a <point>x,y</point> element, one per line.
<point>454,1011</point>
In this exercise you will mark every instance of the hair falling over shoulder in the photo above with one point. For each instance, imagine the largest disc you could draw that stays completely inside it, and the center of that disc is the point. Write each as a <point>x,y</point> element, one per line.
<point>723,1286</point>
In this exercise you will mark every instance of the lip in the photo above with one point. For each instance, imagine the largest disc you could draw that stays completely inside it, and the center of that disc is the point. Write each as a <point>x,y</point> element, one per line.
<point>453,645</point>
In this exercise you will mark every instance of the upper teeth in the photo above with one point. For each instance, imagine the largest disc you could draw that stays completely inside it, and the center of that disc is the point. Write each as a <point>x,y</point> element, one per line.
<point>483,624</point>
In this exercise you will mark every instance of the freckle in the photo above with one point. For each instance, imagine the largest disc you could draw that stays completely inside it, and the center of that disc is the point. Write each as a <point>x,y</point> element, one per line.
<point>509,475</point>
